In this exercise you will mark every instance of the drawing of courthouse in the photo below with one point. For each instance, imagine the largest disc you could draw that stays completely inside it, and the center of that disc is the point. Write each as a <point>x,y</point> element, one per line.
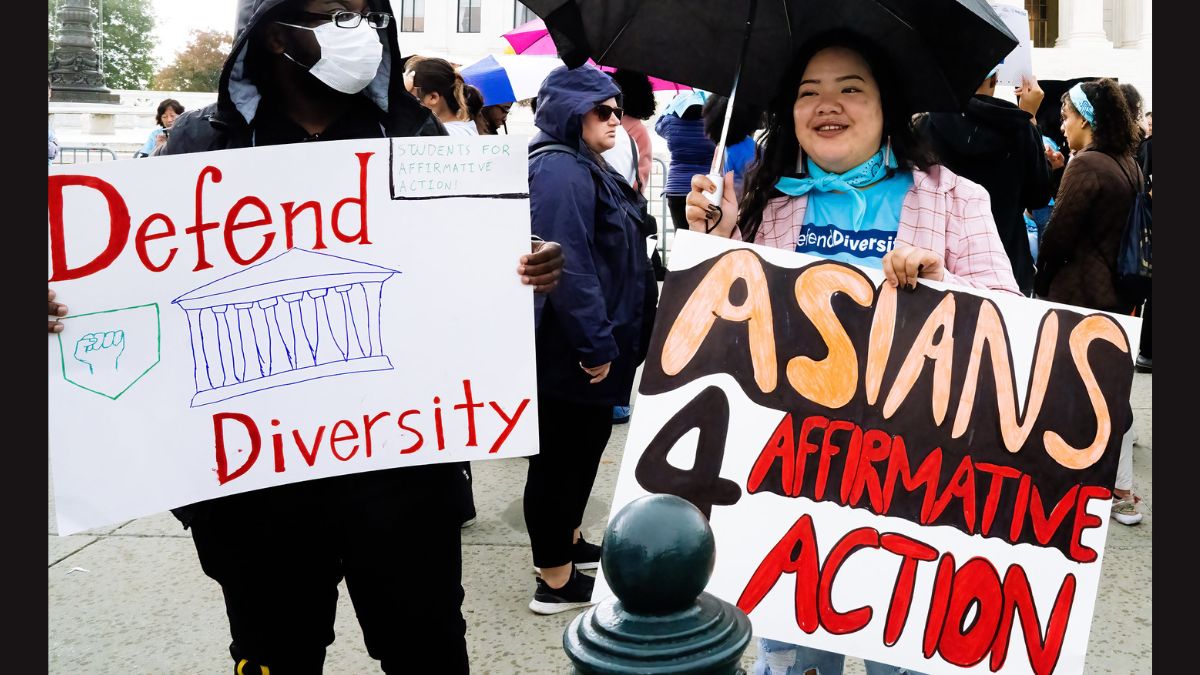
<point>297,317</point>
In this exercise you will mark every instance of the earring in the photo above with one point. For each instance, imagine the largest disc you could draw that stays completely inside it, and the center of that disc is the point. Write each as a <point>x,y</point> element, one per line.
<point>887,153</point>
<point>800,162</point>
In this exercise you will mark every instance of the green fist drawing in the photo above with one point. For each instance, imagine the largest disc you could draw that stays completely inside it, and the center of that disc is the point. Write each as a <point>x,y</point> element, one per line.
<point>101,350</point>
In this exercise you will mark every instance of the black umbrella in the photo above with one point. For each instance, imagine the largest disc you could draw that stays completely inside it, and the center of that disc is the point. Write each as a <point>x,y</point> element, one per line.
<point>940,49</point>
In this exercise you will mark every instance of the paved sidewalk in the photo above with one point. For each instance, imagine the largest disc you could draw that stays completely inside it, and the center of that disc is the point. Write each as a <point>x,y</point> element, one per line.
<point>132,598</point>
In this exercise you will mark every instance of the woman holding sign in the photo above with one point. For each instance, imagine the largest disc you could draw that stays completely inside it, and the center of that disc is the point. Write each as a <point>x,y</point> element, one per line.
<point>841,177</point>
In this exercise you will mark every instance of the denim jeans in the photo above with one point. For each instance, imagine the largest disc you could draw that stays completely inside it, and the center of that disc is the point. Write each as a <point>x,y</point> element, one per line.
<point>782,658</point>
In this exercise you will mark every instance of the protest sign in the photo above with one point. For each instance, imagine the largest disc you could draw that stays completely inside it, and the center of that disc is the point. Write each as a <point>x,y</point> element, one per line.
<point>254,317</point>
<point>918,477</point>
<point>1019,62</point>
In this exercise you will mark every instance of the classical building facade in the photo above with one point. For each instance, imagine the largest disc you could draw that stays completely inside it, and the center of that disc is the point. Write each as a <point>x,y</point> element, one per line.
<point>1102,38</point>
<point>1072,38</point>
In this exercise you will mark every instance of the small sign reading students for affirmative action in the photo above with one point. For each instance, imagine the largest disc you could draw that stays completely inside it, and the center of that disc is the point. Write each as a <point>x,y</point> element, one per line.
<point>249,318</point>
<point>918,477</point>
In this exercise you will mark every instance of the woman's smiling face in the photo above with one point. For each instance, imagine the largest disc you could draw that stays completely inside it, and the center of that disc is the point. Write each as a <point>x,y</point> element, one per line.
<point>838,111</point>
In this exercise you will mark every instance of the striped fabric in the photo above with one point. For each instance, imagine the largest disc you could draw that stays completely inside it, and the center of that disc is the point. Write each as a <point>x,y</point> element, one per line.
<point>941,212</point>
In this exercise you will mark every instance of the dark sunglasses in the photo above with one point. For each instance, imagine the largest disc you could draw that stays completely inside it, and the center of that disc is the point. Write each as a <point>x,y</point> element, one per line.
<point>603,112</point>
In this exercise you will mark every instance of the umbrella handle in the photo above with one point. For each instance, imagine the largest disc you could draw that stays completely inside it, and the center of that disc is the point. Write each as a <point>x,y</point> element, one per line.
<point>716,170</point>
<point>714,197</point>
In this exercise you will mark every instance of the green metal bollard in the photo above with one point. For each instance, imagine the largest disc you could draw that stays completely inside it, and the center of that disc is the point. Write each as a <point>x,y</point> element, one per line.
<point>658,557</point>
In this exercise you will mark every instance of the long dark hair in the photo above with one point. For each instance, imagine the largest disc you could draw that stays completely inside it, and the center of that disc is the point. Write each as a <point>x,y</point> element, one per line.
<point>474,99</point>
<point>430,75</point>
<point>1114,131</point>
<point>746,120</point>
<point>1133,101</point>
<point>779,149</point>
<point>637,94</point>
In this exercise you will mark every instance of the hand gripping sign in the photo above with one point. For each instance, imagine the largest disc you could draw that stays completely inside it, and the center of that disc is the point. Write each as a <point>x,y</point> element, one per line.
<point>921,478</point>
<point>255,317</point>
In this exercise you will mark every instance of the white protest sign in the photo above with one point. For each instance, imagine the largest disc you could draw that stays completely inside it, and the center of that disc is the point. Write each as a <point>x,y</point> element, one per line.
<point>425,168</point>
<point>254,317</point>
<point>1019,62</point>
<point>920,478</point>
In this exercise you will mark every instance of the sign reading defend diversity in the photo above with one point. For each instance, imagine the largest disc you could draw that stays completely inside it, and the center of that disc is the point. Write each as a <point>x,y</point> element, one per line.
<point>249,318</point>
<point>918,477</point>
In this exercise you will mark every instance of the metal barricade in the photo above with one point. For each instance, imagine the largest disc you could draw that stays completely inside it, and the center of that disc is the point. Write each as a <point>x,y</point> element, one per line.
<point>89,155</point>
<point>654,191</point>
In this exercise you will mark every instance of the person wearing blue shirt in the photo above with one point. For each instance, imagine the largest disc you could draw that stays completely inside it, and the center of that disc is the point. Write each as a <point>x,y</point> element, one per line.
<point>739,140</point>
<point>682,127</point>
<point>855,226</point>
<point>168,110</point>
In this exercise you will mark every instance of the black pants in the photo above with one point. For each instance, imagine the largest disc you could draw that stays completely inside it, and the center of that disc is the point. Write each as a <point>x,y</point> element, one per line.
<point>572,437</point>
<point>466,493</point>
<point>279,554</point>
<point>677,204</point>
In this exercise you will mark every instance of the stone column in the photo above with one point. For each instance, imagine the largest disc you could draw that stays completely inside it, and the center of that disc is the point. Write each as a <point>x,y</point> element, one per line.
<point>1144,36</point>
<point>1127,19</point>
<point>1081,24</point>
<point>75,69</point>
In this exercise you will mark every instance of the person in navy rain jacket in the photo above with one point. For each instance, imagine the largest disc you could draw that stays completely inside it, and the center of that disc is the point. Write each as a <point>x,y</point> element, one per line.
<point>589,334</point>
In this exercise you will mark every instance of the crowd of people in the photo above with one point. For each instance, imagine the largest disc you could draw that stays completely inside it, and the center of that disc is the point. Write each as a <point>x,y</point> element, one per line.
<point>947,195</point>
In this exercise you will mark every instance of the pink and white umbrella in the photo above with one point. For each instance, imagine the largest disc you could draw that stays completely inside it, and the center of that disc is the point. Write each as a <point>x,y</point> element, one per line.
<point>533,38</point>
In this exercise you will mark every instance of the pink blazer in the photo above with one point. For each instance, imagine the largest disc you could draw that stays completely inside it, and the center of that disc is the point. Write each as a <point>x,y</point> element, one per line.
<point>941,212</point>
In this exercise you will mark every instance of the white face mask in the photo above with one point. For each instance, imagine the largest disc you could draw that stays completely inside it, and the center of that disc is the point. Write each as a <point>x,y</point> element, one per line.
<point>350,57</point>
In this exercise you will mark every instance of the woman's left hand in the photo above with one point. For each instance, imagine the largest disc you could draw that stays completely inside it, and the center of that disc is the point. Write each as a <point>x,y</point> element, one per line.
<point>905,264</point>
<point>542,268</point>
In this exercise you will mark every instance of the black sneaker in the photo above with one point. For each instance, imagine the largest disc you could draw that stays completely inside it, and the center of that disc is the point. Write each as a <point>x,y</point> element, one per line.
<point>576,593</point>
<point>585,556</point>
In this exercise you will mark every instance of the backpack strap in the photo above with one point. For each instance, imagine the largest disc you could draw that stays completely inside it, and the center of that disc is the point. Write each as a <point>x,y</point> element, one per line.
<point>1136,187</point>
<point>554,147</point>
<point>637,175</point>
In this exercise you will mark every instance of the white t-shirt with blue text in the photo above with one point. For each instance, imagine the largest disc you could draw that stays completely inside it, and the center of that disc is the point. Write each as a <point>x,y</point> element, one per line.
<point>828,230</point>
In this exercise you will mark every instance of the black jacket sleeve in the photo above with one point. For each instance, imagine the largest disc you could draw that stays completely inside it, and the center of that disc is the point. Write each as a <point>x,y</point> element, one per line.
<point>1037,187</point>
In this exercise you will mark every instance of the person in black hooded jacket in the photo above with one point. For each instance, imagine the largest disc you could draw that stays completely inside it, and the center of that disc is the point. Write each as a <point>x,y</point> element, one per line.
<point>394,535</point>
<point>997,144</point>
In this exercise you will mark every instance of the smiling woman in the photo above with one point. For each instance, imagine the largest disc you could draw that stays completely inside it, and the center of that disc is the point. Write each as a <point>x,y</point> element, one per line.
<point>838,114</point>
<point>840,163</point>
<point>841,176</point>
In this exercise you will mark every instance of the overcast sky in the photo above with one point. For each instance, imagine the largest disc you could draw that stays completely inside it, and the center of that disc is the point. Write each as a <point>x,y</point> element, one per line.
<point>177,18</point>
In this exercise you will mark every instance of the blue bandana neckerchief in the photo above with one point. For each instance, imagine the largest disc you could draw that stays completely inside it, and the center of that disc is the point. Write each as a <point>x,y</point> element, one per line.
<point>867,173</point>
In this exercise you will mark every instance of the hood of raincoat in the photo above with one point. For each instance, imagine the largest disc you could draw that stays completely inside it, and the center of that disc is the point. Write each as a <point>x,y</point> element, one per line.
<point>565,97</point>
<point>237,95</point>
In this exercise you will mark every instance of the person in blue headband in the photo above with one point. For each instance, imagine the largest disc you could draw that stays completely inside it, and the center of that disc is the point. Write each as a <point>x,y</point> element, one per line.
<point>1082,105</point>
<point>1080,242</point>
